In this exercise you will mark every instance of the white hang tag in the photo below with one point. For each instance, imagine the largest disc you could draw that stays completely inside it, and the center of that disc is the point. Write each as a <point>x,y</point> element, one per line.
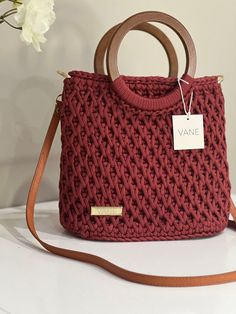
<point>188,131</point>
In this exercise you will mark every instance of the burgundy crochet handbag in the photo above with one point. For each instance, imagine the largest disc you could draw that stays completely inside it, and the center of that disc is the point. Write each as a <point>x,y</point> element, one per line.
<point>143,158</point>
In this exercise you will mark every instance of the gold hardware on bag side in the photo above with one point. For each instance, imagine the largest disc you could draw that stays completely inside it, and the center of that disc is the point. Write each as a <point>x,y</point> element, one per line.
<point>57,109</point>
<point>106,210</point>
<point>220,79</point>
<point>63,74</point>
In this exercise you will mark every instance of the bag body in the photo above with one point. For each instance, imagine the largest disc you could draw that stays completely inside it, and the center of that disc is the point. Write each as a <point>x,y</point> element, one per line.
<point>120,177</point>
<point>116,154</point>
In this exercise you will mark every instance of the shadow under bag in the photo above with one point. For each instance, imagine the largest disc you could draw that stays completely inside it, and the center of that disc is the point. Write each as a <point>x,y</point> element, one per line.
<point>143,158</point>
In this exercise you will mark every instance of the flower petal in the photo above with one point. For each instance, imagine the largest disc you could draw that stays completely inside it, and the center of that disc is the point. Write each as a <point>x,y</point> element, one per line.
<point>35,17</point>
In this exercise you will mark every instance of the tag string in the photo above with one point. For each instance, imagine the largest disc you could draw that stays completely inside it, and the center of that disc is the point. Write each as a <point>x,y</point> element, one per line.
<point>188,113</point>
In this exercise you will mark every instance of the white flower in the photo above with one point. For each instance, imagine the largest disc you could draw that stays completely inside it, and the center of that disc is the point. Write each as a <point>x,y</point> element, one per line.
<point>35,17</point>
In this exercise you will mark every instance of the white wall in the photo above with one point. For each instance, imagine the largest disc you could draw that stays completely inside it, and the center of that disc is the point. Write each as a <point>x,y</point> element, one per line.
<point>29,84</point>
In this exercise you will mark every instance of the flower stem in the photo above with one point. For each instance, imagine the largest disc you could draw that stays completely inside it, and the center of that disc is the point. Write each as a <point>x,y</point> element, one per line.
<point>9,12</point>
<point>8,23</point>
<point>14,1</point>
<point>6,14</point>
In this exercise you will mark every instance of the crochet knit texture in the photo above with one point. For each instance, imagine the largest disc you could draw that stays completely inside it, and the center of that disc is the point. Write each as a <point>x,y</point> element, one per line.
<point>116,154</point>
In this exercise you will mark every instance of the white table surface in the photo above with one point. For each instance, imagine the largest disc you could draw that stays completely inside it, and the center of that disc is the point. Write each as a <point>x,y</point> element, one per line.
<point>36,282</point>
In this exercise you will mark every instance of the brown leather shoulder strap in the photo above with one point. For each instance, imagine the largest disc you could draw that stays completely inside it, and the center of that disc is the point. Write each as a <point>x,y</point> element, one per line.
<point>101,262</point>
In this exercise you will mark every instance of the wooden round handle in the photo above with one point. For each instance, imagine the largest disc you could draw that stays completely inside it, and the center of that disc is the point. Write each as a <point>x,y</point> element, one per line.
<point>145,27</point>
<point>151,16</point>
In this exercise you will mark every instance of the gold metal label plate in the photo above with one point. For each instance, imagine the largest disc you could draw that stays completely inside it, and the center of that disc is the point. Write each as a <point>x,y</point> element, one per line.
<point>106,210</point>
